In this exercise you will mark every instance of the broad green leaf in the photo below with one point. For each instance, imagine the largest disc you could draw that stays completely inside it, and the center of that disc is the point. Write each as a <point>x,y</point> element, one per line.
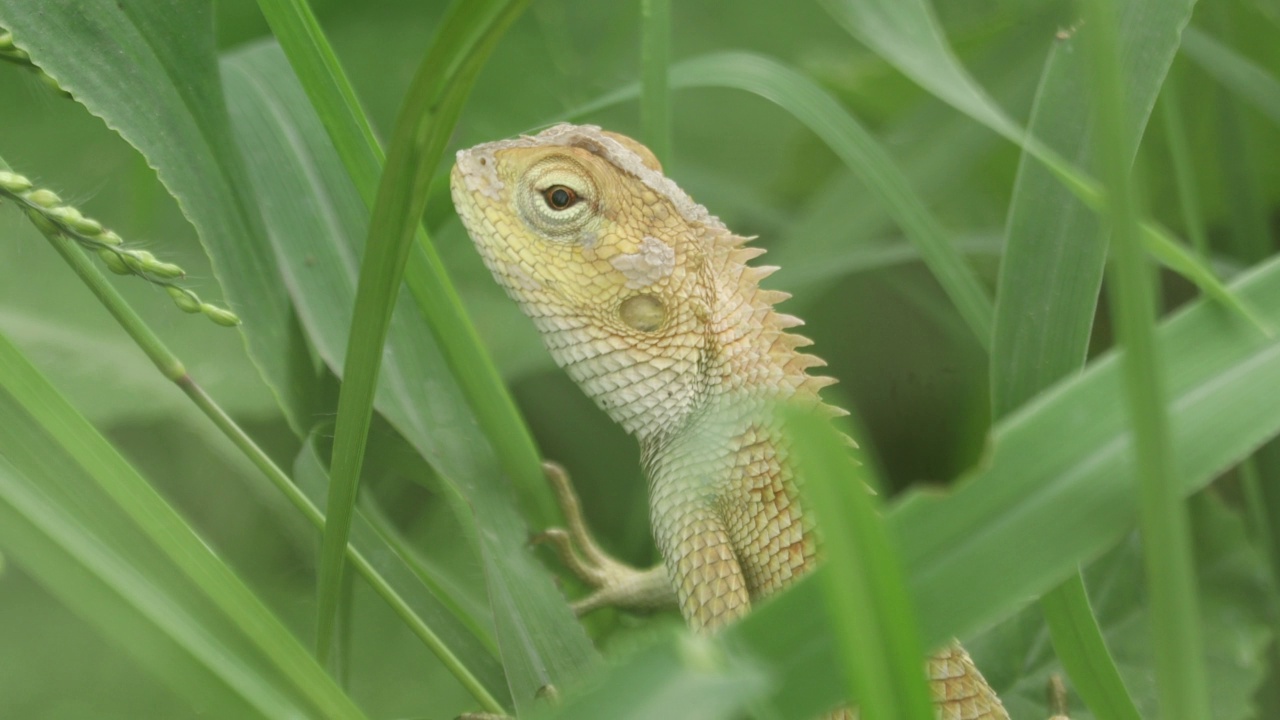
<point>1058,479</point>
<point>1235,584</point>
<point>150,72</point>
<point>47,440</point>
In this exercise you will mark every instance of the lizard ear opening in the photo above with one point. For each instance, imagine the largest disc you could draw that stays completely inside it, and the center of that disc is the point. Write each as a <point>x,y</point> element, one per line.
<point>643,312</point>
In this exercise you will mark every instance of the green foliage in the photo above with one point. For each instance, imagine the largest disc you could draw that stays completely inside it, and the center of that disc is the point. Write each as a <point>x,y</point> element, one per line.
<point>926,159</point>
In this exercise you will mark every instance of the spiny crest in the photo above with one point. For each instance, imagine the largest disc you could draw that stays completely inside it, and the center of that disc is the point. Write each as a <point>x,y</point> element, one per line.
<point>782,348</point>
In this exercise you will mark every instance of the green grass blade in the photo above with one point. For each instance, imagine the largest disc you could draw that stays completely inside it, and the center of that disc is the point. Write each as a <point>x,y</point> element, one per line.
<point>867,604</point>
<point>334,99</point>
<point>1241,76</point>
<point>907,34</point>
<point>1049,281</point>
<point>1175,133</point>
<point>1246,208</point>
<point>317,228</point>
<point>1055,248</point>
<point>150,515</point>
<point>431,108</point>
<point>124,605</point>
<point>1162,515</point>
<point>1078,640</point>
<point>655,59</point>
<point>434,607</point>
<point>348,128</point>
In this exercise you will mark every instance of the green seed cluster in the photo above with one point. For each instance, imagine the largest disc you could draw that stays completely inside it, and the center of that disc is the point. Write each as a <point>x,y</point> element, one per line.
<point>16,55</point>
<point>51,215</point>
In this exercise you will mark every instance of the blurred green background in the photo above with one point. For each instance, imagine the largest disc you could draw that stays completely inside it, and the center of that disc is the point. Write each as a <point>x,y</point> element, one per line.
<point>905,360</point>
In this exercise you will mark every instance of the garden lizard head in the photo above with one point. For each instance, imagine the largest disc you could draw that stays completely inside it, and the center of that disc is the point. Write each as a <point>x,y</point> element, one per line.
<point>643,296</point>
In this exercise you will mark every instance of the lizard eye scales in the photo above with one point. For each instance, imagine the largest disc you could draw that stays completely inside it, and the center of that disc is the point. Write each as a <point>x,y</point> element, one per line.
<point>559,197</point>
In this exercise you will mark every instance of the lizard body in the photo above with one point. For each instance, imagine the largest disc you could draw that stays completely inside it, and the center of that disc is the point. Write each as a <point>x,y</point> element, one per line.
<point>650,305</point>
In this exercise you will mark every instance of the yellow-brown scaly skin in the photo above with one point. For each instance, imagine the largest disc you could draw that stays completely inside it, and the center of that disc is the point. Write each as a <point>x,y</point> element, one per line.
<point>649,304</point>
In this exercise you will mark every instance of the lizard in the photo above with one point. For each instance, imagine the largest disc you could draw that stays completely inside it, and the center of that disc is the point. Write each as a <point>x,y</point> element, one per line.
<point>649,303</point>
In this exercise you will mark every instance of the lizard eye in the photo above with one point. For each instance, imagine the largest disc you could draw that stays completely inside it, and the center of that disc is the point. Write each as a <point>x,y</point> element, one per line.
<point>559,197</point>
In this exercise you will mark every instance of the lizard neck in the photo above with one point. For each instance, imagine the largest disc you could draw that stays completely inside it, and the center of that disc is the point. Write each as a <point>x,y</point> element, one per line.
<point>648,391</point>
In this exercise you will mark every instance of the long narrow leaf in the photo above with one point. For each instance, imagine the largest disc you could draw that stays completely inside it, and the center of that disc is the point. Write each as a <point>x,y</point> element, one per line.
<point>655,58</point>
<point>321,76</point>
<point>432,105</point>
<point>1050,275</point>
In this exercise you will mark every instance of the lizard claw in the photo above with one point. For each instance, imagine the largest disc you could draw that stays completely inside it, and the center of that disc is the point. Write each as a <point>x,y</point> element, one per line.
<point>614,583</point>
